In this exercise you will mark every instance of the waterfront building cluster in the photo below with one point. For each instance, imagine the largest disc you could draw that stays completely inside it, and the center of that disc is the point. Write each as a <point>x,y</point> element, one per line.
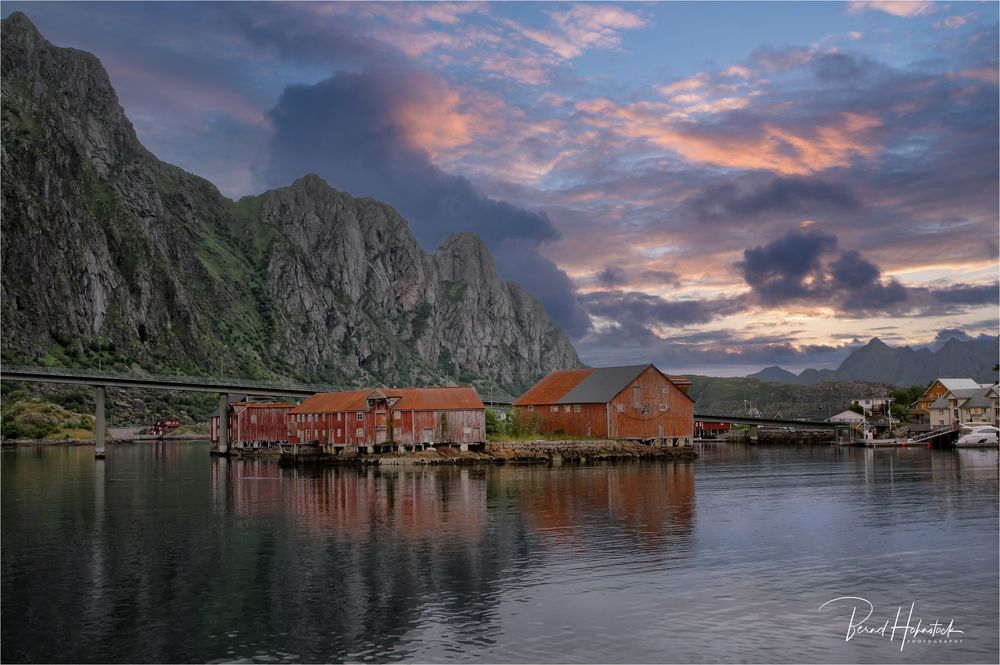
<point>962,402</point>
<point>638,403</point>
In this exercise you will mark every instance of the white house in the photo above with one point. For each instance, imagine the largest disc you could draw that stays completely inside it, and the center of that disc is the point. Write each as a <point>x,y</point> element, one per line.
<point>873,404</point>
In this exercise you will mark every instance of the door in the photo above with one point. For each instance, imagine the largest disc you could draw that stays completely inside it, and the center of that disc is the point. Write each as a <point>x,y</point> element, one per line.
<point>428,435</point>
<point>380,432</point>
<point>661,432</point>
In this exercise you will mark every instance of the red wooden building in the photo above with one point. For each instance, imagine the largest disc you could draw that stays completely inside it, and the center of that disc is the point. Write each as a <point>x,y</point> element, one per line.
<point>255,424</point>
<point>635,402</point>
<point>389,417</point>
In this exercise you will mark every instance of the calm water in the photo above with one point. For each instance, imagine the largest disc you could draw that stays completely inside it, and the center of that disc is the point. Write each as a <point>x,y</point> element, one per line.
<point>162,553</point>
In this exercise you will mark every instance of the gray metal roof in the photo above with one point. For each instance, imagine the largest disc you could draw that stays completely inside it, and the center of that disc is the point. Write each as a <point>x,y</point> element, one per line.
<point>602,385</point>
<point>978,401</point>
<point>941,403</point>
<point>958,384</point>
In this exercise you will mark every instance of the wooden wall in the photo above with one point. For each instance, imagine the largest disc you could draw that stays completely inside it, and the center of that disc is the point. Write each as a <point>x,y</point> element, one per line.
<point>590,420</point>
<point>340,428</point>
<point>643,421</point>
<point>258,425</point>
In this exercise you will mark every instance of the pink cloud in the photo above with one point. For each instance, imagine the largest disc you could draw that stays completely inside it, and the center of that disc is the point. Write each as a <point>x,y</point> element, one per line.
<point>899,8</point>
<point>818,146</point>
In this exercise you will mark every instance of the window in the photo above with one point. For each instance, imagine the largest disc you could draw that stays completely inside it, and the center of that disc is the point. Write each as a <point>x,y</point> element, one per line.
<point>338,432</point>
<point>396,415</point>
<point>310,417</point>
<point>566,408</point>
<point>359,433</point>
<point>620,407</point>
<point>340,417</point>
<point>253,418</point>
<point>359,416</point>
<point>396,431</point>
<point>531,407</point>
<point>576,408</point>
<point>635,396</point>
<point>554,409</point>
<point>664,406</point>
<point>466,431</point>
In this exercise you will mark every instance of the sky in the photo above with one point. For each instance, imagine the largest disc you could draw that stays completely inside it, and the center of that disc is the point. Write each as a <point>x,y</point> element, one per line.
<point>713,187</point>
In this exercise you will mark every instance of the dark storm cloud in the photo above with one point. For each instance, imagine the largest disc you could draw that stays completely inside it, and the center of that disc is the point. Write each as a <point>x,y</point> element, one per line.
<point>788,268</point>
<point>650,309</point>
<point>801,195</point>
<point>613,277</point>
<point>345,129</point>
<point>520,262</point>
<point>962,294</point>
<point>809,268</point>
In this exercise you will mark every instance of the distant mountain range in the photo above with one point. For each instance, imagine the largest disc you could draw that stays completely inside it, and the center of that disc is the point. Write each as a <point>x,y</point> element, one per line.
<point>901,366</point>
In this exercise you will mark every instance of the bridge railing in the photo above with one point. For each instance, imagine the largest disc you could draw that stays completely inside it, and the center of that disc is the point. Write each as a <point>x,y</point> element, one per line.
<point>165,378</point>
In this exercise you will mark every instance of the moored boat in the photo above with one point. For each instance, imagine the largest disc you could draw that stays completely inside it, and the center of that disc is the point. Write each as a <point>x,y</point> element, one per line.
<point>978,436</point>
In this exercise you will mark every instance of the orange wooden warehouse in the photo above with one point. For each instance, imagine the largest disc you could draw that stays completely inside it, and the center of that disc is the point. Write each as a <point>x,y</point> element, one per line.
<point>389,416</point>
<point>634,402</point>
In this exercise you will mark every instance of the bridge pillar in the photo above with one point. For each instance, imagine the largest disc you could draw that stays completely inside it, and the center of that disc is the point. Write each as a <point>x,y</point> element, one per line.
<point>100,425</point>
<point>223,423</point>
<point>753,434</point>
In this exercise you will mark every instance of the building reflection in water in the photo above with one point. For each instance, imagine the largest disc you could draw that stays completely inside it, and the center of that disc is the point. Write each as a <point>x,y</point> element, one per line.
<point>381,551</point>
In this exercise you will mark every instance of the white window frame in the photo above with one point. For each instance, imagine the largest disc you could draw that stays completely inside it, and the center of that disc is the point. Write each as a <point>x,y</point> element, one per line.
<point>531,407</point>
<point>566,409</point>
<point>554,409</point>
<point>664,406</point>
<point>576,408</point>
<point>359,416</point>
<point>253,418</point>
<point>359,434</point>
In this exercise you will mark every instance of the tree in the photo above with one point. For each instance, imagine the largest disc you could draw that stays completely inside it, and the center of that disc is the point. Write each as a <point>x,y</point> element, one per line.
<point>493,423</point>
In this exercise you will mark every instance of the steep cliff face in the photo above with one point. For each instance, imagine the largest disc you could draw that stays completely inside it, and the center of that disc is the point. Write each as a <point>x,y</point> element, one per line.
<point>350,284</point>
<point>106,247</point>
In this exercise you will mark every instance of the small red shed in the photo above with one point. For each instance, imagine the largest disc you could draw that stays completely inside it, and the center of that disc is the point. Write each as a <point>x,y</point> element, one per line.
<point>635,402</point>
<point>255,424</point>
<point>389,416</point>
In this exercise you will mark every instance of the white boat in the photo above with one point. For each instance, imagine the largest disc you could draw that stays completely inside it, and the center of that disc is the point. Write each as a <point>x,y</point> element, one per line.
<point>978,436</point>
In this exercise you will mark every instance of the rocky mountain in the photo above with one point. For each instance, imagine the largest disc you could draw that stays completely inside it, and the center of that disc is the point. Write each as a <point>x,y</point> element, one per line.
<point>901,366</point>
<point>112,256</point>
<point>774,374</point>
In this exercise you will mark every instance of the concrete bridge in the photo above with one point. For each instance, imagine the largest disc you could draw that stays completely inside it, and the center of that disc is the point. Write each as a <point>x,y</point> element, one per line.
<point>770,422</point>
<point>101,381</point>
